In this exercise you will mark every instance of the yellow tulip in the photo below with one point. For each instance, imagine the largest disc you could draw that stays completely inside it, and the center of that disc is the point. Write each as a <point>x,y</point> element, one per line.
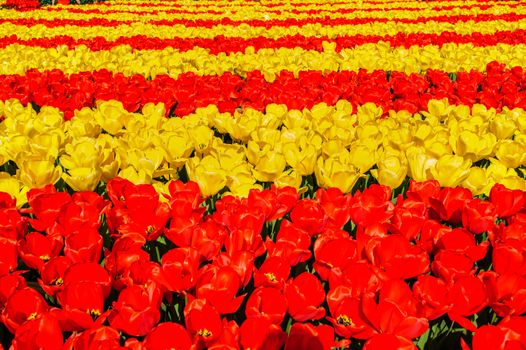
<point>177,148</point>
<point>450,170</point>
<point>301,156</point>
<point>363,155</point>
<point>136,176</point>
<point>14,187</point>
<point>38,173</point>
<point>289,177</point>
<point>201,137</point>
<point>336,171</point>
<point>391,169</point>
<point>513,183</point>
<point>503,126</point>
<point>84,153</point>
<point>473,146</point>
<point>438,108</point>
<point>82,179</point>
<point>419,163</point>
<point>111,116</point>
<point>207,173</point>
<point>511,153</point>
<point>478,181</point>
<point>269,165</point>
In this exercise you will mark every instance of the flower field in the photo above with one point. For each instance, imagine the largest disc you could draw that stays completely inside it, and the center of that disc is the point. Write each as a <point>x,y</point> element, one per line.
<point>260,175</point>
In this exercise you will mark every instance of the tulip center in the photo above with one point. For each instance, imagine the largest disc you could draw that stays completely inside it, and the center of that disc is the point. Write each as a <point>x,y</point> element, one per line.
<point>44,257</point>
<point>57,282</point>
<point>32,316</point>
<point>150,229</point>
<point>204,333</point>
<point>271,277</point>
<point>93,312</point>
<point>344,320</point>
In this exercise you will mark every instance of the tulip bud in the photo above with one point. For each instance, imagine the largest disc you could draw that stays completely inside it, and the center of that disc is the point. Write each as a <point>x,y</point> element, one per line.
<point>450,170</point>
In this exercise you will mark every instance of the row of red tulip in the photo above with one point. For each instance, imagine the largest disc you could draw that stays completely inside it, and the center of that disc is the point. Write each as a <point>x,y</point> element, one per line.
<point>265,271</point>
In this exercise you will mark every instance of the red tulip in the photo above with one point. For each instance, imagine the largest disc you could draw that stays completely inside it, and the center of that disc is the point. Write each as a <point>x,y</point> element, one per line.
<point>203,322</point>
<point>373,206</point>
<point>219,286</point>
<point>261,334</point>
<point>479,216</point>
<point>408,217</point>
<point>450,266</point>
<point>40,333</point>
<point>431,294</point>
<point>126,251</point>
<point>292,244</point>
<point>242,262</point>
<point>46,205</point>
<point>8,285</point>
<point>23,305</point>
<point>450,202</point>
<point>336,205</point>
<point>309,337</point>
<point>101,337</point>
<point>423,191</point>
<point>168,335</point>
<point>36,249</point>
<point>89,272</point>
<point>52,274</point>
<point>136,311</point>
<point>508,334</point>
<point>389,342</point>
<point>82,303</point>
<point>506,293</point>
<point>462,241</point>
<point>274,272</point>
<point>180,267</point>
<point>308,215</point>
<point>360,277</point>
<point>334,256</point>
<point>346,314</point>
<point>84,246</point>
<point>9,257</point>
<point>507,202</point>
<point>396,258</point>
<point>305,295</point>
<point>509,257</point>
<point>267,303</point>
<point>467,296</point>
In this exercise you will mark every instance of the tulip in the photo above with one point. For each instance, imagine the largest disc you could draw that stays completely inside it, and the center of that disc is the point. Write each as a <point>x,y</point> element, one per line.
<point>392,169</point>
<point>111,116</point>
<point>207,173</point>
<point>450,170</point>
<point>260,333</point>
<point>166,335</point>
<point>219,286</point>
<point>337,171</point>
<point>202,321</point>
<point>136,311</point>
<point>38,173</point>
<point>305,295</point>
<point>23,305</point>
<point>269,303</point>
<point>42,333</point>
<point>511,153</point>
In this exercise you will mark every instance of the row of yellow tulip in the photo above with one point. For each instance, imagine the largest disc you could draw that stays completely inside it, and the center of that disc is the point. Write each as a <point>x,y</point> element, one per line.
<point>18,59</point>
<point>246,13</point>
<point>455,145</point>
<point>246,31</point>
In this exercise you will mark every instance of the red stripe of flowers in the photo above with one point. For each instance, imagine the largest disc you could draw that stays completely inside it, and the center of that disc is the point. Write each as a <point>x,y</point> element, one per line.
<point>498,87</point>
<point>28,22</point>
<point>236,44</point>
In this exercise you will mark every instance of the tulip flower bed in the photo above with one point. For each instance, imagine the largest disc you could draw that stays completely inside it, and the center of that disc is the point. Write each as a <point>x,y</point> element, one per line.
<point>263,175</point>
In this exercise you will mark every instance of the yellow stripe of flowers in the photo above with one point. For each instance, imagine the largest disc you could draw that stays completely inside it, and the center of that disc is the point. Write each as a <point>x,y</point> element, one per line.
<point>16,59</point>
<point>336,144</point>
